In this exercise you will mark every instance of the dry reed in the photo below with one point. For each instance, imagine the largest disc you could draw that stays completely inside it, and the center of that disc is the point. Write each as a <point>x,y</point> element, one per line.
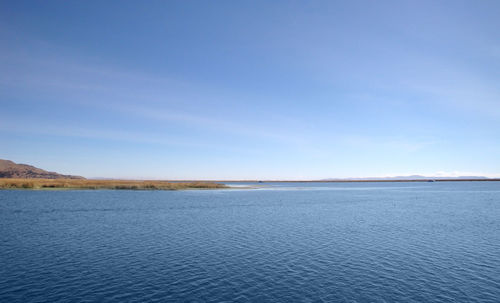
<point>104,184</point>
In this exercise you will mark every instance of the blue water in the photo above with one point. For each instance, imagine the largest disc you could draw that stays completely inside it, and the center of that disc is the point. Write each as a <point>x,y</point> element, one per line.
<point>289,242</point>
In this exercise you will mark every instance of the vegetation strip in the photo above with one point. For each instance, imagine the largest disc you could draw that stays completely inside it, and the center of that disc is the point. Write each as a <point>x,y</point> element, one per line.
<point>104,184</point>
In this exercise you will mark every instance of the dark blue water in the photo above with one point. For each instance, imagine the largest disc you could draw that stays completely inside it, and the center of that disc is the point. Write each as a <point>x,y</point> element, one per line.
<point>344,242</point>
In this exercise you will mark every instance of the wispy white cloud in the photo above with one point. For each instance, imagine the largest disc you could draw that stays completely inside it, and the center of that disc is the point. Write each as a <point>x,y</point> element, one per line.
<point>389,143</point>
<point>20,126</point>
<point>460,90</point>
<point>161,99</point>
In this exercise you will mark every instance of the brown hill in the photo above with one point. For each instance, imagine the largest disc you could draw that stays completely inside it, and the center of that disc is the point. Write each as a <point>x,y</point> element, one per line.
<point>9,169</point>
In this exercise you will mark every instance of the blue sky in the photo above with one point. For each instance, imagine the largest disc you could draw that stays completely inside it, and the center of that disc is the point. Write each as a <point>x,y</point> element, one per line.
<point>251,89</point>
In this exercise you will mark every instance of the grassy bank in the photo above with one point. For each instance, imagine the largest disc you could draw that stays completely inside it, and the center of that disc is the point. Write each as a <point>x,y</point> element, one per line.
<point>104,184</point>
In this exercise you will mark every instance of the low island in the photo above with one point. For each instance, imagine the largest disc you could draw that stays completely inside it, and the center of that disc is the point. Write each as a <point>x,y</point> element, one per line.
<point>14,183</point>
<point>24,176</point>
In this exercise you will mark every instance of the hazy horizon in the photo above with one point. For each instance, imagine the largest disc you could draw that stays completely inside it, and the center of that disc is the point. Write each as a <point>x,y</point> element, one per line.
<point>251,90</point>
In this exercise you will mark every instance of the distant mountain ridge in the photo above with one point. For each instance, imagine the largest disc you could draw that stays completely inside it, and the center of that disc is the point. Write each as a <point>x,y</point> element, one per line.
<point>9,169</point>
<point>411,177</point>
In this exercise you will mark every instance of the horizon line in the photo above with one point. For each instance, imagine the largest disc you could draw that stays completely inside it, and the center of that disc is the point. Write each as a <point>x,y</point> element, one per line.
<point>341,180</point>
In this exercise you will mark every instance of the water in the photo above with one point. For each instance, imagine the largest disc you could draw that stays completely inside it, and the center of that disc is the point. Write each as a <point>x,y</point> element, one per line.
<point>290,242</point>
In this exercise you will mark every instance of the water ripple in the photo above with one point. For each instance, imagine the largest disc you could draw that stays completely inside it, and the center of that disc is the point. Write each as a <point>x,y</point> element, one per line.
<point>436,243</point>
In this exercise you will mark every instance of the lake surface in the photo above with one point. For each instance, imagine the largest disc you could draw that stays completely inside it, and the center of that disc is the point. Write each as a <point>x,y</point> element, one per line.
<point>287,242</point>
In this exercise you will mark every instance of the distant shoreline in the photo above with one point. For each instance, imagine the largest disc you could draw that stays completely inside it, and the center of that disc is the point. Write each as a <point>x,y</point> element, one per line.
<point>336,181</point>
<point>353,181</point>
<point>94,184</point>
